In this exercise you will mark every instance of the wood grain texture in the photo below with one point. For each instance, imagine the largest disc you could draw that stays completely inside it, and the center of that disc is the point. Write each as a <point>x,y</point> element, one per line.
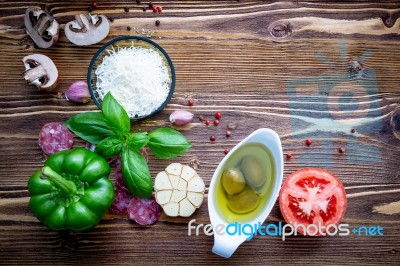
<point>282,65</point>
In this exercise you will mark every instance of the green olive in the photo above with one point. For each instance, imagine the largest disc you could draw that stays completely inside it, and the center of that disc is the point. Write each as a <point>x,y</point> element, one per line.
<point>253,172</point>
<point>244,202</point>
<point>233,181</point>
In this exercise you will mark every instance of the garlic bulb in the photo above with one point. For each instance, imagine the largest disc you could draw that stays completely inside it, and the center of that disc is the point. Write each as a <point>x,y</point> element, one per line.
<point>179,190</point>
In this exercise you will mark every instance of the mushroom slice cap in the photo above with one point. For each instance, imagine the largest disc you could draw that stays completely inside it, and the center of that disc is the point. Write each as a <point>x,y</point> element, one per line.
<point>40,71</point>
<point>87,29</point>
<point>41,26</point>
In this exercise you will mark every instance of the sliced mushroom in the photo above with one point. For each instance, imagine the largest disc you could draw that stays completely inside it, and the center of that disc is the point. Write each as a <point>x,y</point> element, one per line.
<point>42,27</point>
<point>87,29</point>
<point>41,72</point>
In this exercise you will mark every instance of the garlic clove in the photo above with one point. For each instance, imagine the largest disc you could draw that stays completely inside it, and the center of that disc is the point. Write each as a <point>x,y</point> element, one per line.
<point>171,209</point>
<point>195,198</point>
<point>177,196</point>
<point>174,179</point>
<point>163,197</point>
<point>196,184</point>
<point>187,172</point>
<point>174,169</point>
<point>182,185</point>
<point>186,208</point>
<point>181,117</point>
<point>78,92</point>
<point>162,181</point>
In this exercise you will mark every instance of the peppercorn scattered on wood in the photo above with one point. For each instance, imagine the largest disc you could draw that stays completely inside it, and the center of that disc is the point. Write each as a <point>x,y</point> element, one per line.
<point>179,190</point>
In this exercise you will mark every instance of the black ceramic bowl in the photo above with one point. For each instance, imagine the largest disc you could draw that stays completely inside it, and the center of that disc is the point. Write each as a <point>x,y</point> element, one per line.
<point>128,41</point>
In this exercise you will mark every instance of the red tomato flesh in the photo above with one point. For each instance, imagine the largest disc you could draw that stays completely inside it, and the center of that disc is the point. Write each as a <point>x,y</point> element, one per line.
<point>312,196</point>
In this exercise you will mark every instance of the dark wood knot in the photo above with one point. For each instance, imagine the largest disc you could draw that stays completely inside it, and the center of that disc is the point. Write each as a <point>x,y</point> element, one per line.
<point>280,30</point>
<point>388,20</point>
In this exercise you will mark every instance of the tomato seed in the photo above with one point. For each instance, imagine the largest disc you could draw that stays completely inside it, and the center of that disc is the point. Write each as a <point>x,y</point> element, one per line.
<point>309,142</point>
<point>213,138</point>
<point>218,115</point>
<point>216,122</point>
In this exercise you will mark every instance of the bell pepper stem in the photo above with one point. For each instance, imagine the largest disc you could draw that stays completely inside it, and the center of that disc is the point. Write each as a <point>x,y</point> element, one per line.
<point>67,188</point>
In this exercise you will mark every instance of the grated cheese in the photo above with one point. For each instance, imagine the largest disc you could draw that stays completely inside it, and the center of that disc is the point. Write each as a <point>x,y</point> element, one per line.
<point>137,77</point>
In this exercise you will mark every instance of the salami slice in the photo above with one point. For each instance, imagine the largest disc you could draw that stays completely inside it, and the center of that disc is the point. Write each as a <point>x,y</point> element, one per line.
<point>121,201</point>
<point>55,137</point>
<point>119,181</point>
<point>144,211</point>
<point>123,196</point>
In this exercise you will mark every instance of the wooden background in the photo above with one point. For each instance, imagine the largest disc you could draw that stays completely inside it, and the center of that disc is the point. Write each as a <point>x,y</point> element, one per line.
<point>236,57</point>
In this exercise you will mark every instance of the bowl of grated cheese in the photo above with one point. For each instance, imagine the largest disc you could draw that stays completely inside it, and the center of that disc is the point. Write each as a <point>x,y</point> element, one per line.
<point>136,71</point>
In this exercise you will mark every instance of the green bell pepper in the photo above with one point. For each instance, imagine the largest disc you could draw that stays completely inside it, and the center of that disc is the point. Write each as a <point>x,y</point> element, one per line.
<point>72,191</point>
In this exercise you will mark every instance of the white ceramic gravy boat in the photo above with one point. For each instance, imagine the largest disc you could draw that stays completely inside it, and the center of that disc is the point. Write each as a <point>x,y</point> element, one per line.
<point>225,245</point>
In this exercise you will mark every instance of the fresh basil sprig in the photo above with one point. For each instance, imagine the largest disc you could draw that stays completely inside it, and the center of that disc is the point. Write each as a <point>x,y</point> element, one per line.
<point>110,147</point>
<point>137,140</point>
<point>167,143</point>
<point>135,173</point>
<point>116,115</point>
<point>110,131</point>
<point>90,126</point>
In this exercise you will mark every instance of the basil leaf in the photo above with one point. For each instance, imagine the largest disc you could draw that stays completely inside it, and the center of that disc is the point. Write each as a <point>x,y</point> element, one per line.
<point>167,143</point>
<point>136,174</point>
<point>109,147</point>
<point>116,115</point>
<point>90,126</point>
<point>137,140</point>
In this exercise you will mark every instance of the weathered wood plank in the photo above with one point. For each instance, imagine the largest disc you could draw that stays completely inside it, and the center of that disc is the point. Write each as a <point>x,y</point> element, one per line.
<point>283,65</point>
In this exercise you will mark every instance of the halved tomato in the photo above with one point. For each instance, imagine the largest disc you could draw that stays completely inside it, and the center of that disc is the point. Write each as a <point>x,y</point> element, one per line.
<point>312,196</point>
